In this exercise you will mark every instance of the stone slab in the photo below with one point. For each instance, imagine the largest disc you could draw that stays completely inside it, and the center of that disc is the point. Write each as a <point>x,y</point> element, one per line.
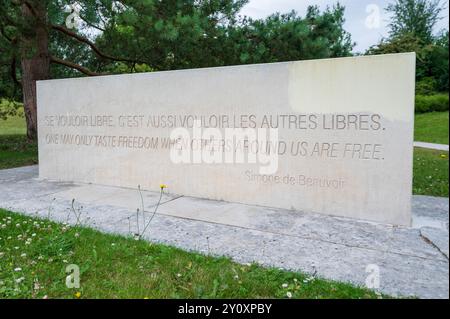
<point>342,142</point>
<point>120,197</point>
<point>313,226</point>
<point>430,212</point>
<point>437,237</point>
<point>432,146</point>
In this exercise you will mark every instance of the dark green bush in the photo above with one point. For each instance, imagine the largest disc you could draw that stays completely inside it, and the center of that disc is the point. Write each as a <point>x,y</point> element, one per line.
<point>431,103</point>
<point>426,86</point>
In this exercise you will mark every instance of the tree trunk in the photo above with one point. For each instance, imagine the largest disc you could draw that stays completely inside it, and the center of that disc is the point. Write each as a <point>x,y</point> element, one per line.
<point>35,62</point>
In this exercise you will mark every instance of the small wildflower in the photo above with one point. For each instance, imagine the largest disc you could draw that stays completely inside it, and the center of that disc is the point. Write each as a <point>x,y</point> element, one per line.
<point>37,286</point>
<point>77,294</point>
<point>284,285</point>
<point>289,294</point>
<point>18,269</point>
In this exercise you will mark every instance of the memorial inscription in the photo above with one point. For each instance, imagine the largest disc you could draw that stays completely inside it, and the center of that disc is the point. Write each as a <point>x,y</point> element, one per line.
<point>329,136</point>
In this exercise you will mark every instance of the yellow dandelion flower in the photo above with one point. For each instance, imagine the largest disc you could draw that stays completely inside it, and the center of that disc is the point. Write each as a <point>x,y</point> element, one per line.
<point>77,294</point>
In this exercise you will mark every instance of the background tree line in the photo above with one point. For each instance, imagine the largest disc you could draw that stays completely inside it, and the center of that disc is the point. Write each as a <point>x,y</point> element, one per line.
<point>411,30</point>
<point>152,35</point>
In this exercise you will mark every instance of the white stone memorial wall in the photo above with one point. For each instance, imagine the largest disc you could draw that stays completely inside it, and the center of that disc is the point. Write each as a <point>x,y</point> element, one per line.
<point>341,141</point>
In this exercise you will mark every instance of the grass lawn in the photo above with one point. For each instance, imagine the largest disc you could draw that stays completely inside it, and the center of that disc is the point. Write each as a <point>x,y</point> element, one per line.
<point>431,127</point>
<point>15,150</point>
<point>13,126</point>
<point>34,254</point>
<point>430,172</point>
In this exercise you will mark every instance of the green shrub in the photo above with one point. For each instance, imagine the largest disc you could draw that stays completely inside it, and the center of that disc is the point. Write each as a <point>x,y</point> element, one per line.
<point>426,86</point>
<point>10,108</point>
<point>431,103</point>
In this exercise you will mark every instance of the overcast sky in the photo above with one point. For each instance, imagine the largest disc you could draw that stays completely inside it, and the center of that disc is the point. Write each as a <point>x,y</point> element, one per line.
<point>361,16</point>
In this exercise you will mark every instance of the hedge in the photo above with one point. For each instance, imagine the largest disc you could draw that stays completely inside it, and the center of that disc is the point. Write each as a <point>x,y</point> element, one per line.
<point>431,103</point>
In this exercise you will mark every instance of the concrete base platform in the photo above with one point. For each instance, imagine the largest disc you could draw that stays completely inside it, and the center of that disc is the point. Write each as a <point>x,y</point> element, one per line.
<point>412,261</point>
<point>432,146</point>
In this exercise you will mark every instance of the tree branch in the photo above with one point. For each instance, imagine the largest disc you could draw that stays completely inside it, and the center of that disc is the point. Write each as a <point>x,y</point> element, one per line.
<point>91,24</point>
<point>25,3</point>
<point>74,66</point>
<point>30,7</point>
<point>91,44</point>
<point>13,71</point>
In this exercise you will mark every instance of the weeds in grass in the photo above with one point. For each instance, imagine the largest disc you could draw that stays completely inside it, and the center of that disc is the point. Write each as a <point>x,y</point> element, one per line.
<point>49,210</point>
<point>35,253</point>
<point>76,211</point>
<point>138,235</point>
<point>155,210</point>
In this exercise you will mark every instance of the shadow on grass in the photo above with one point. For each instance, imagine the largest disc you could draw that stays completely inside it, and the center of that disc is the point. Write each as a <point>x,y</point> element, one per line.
<point>16,151</point>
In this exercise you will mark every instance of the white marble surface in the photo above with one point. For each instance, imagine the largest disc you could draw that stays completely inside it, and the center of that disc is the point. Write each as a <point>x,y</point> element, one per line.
<point>368,176</point>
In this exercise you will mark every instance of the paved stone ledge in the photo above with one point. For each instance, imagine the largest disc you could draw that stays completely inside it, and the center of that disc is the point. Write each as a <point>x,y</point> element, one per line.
<point>432,146</point>
<point>413,261</point>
